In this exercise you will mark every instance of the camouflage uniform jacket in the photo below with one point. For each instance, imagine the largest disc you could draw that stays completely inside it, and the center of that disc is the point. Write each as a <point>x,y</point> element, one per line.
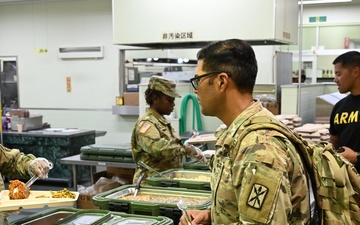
<point>155,142</point>
<point>14,164</point>
<point>257,180</point>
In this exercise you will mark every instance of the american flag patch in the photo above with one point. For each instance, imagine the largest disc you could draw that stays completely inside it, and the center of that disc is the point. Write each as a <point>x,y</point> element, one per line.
<point>145,127</point>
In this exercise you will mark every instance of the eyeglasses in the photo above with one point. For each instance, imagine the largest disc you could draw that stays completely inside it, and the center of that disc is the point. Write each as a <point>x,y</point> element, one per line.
<point>195,80</point>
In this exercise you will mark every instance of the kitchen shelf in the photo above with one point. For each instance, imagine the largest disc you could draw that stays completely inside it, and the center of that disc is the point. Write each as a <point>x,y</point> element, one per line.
<point>125,110</point>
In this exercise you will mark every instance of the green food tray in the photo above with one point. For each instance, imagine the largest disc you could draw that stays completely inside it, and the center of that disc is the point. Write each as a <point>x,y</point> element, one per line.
<point>106,158</point>
<point>159,201</point>
<point>115,150</point>
<point>196,165</point>
<point>67,216</point>
<point>182,178</point>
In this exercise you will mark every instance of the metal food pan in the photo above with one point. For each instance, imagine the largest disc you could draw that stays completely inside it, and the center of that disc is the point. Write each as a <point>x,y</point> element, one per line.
<point>49,217</point>
<point>72,216</point>
<point>153,197</point>
<point>151,200</point>
<point>192,179</point>
<point>196,165</point>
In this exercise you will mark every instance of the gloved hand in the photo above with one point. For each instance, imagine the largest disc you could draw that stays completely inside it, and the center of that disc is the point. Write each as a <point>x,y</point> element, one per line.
<point>40,167</point>
<point>195,134</point>
<point>196,152</point>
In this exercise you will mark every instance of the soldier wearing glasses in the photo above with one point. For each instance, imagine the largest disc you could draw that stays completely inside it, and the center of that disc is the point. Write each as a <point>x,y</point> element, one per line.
<point>259,179</point>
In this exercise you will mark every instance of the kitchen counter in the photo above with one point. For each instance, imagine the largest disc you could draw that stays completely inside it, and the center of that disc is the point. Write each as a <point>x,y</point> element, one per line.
<point>53,145</point>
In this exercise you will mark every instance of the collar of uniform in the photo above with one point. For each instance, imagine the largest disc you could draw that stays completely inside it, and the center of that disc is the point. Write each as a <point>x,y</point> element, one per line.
<point>250,111</point>
<point>157,115</point>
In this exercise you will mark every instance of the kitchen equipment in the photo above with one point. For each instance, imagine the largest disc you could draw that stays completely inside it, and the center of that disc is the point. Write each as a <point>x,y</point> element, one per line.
<point>62,216</point>
<point>141,163</point>
<point>155,201</point>
<point>108,153</point>
<point>196,165</point>
<point>183,178</point>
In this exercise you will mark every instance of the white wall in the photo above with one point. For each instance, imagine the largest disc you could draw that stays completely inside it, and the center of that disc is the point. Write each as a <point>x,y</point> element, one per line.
<point>95,83</point>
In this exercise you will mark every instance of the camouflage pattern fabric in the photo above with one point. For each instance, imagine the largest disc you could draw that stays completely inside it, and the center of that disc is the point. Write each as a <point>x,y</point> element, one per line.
<point>257,180</point>
<point>155,143</point>
<point>13,164</point>
<point>166,86</point>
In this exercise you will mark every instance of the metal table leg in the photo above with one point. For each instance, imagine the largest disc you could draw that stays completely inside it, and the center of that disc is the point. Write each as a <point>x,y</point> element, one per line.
<point>74,176</point>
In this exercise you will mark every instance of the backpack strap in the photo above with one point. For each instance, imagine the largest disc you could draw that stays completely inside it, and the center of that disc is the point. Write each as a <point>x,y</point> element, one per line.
<point>301,146</point>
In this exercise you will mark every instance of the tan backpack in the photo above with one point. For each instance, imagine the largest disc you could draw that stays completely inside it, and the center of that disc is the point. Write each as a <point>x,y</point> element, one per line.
<point>335,181</point>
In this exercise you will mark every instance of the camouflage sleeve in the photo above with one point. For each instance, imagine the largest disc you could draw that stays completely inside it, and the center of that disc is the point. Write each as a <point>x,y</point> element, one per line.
<point>158,143</point>
<point>14,163</point>
<point>266,191</point>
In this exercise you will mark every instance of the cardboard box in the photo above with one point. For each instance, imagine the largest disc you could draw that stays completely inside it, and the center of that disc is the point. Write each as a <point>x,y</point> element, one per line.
<point>131,98</point>
<point>85,202</point>
<point>273,107</point>
<point>124,173</point>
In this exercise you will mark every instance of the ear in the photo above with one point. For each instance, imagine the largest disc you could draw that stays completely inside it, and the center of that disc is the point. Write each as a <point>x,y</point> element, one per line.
<point>356,71</point>
<point>223,82</point>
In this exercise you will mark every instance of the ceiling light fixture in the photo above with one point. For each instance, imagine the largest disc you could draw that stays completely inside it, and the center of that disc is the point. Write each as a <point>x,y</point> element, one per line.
<point>322,1</point>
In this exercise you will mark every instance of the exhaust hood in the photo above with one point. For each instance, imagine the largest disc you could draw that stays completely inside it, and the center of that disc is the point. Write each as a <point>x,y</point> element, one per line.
<point>164,24</point>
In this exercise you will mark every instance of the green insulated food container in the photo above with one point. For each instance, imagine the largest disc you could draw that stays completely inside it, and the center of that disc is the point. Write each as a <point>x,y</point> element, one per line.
<point>150,200</point>
<point>67,216</point>
<point>118,153</point>
<point>195,165</point>
<point>192,179</point>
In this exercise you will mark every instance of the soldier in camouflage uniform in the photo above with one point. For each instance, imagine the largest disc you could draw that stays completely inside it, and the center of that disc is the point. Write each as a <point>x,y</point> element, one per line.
<point>15,164</point>
<point>259,179</point>
<point>154,140</point>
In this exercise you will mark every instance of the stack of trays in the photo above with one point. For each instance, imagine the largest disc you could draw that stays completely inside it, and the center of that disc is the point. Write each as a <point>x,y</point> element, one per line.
<point>62,216</point>
<point>107,153</point>
<point>154,201</point>
<point>314,132</point>
<point>192,179</point>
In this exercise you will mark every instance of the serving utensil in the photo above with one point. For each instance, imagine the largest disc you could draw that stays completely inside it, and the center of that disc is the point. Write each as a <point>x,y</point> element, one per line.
<point>31,181</point>
<point>183,207</point>
<point>142,164</point>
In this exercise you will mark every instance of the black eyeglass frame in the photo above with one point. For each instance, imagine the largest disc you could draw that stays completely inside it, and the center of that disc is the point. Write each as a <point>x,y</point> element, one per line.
<point>196,79</point>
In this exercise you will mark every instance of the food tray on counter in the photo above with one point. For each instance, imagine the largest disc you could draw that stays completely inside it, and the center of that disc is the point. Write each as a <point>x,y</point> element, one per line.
<point>196,165</point>
<point>64,216</point>
<point>192,179</point>
<point>34,201</point>
<point>154,201</point>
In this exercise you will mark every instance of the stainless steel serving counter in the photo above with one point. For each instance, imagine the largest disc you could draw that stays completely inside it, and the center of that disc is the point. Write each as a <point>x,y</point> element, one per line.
<point>75,161</point>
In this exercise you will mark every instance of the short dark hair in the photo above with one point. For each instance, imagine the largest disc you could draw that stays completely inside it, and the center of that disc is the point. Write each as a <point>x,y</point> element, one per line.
<point>348,59</point>
<point>234,56</point>
<point>151,94</point>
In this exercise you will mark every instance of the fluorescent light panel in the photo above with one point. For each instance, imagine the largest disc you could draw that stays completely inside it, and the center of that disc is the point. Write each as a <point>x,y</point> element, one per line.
<point>322,1</point>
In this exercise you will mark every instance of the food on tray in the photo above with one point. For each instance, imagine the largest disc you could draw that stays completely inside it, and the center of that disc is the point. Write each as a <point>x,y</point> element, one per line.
<point>164,199</point>
<point>65,193</point>
<point>18,190</point>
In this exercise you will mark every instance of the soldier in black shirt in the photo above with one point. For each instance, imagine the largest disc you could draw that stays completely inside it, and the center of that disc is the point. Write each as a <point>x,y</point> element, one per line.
<point>345,116</point>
